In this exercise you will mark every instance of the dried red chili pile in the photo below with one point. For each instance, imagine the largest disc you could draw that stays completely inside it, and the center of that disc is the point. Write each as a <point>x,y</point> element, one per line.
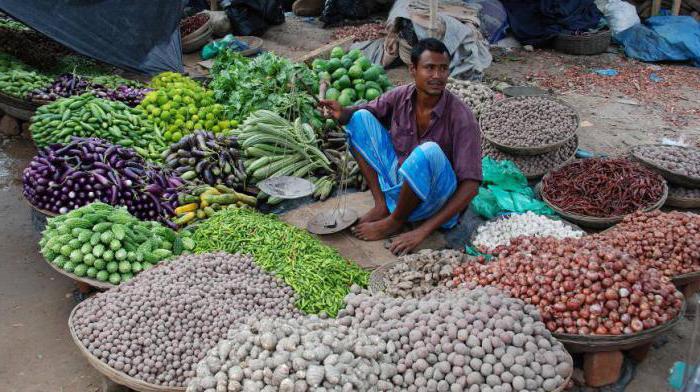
<point>365,32</point>
<point>580,286</point>
<point>669,242</point>
<point>190,24</point>
<point>602,187</point>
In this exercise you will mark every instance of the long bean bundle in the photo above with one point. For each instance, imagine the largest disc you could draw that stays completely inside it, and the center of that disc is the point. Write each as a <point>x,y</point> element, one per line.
<point>318,274</point>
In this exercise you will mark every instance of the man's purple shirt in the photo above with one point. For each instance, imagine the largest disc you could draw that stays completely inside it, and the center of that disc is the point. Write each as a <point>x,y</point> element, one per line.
<point>452,126</point>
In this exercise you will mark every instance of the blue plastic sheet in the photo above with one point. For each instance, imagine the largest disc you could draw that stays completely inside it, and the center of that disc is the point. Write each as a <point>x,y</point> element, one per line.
<point>663,38</point>
<point>141,36</point>
<point>494,19</point>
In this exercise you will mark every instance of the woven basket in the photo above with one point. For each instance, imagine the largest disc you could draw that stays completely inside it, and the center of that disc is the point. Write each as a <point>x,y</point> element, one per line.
<point>194,42</point>
<point>202,30</point>
<point>600,343</point>
<point>102,286</point>
<point>17,108</point>
<point>670,176</point>
<point>682,202</point>
<point>377,279</point>
<point>115,375</point>
<point>682,280</point>
<point>583,44</point>
<point>529,150</point>
<point>254,44</point>
<point>596,222</point>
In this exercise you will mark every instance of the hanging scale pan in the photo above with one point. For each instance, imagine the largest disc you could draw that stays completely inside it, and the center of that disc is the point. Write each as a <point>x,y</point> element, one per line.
<point>287,187</point>
<point>331,221</point>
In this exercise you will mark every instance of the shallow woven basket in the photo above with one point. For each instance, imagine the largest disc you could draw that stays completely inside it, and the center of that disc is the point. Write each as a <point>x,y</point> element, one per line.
<point>377,279</point>
<point>583,44</point>
<point>682,202</point>
<point>530,150</point>
<point>594,222</point>
<point>599,343</point>
<point>115,375</point>
<point>670,176</point>
<point>682,280</point>
<point>102,286</point>
<point>195,41</point>
<point>17,108</point>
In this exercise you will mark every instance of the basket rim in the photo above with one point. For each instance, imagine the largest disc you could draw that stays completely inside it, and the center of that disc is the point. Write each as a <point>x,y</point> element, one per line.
<point>18,103</point>
<point>37,209</point>
<point>529,149</point>
<point>666,173</point>
<point>193,35</point>
<point>109,372</point>
<point>586,35</point>
<point>376,276</point>
<point>88,281</point>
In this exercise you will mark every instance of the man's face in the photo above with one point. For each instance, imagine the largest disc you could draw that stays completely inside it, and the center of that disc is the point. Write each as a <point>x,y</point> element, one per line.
<point>431,72</point>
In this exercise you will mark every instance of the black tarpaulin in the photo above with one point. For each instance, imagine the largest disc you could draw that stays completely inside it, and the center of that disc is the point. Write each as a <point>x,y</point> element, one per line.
<point>141,36</point>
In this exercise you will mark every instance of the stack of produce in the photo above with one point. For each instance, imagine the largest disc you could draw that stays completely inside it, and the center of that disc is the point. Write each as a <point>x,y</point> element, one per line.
<point>669,242</point>
<point>276,147</point>
<point>202,201</point>
<point>528,122</point>
<point>205,157</point>
<point>67,85</point>
<point>63,177</point>
<point>476,340</point>
<point>601,187</point>
<point>347,172</point>
<point>316,272</point>
<point>501,231</point>
<point>17,79</point>
<point>352,76</point>
<point>160,324</point>
<point>477,96</point>
<point>417,274</point>
<point>88,116</point>
<point>244,85</point>
<point>32,48</point>
<point>681,162</point>
<point>580,285</point>
<point>179,106</point>
<point>107,243</point>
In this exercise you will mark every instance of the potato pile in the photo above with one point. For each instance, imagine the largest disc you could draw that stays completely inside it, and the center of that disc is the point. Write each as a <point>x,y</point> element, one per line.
<point>416,274</point>
<point>677,159</point>
<point>533,165</point>
<point>528,122</point>
<point>157,326</point>
<point>476,95</point>
<point>501,231</point>
<point>579,285</point>
<point>471,340</point>
<point>667,241</point>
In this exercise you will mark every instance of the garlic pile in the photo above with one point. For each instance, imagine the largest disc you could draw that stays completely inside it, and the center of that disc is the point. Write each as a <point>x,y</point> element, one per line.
<point>501,231</point>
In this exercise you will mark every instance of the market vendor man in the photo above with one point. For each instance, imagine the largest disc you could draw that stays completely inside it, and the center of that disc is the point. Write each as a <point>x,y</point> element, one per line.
<point>418,146</point>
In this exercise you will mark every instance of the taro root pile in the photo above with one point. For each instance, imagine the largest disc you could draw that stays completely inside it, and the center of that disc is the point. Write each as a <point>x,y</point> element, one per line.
<point>190,24</point>
<point>682,192</point>
<point>416,274</point>
<point>533,165</point>
<point>476,95</point>
<point>602,187</point>
<point>579,285</point>
<point>501,231</point>
<point>528,122</point>
<point>677,159</point>
<point>669,242</point>
<point>459,340</point>
<point>157,326</point>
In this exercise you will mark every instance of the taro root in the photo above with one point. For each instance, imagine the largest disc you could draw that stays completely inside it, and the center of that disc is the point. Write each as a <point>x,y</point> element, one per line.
<point>528,122</point>
<point>677,159</point>
<point>533,165</point>
<point>682,192</point>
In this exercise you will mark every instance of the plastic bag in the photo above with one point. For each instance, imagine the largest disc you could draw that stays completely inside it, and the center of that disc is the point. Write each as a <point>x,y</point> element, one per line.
<point>485,204</point>
<point>504,173</point>
<point>621,15</point>
<point>212,49</point>
<point>254,17</point>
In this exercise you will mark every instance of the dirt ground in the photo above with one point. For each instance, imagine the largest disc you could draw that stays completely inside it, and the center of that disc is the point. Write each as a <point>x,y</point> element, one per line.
<point>36,351</point>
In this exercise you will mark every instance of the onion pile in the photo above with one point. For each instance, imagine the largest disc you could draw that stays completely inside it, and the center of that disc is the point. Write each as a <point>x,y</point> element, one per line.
<point>579,285</point>
<point>65,177</point>
<point>669,242</point>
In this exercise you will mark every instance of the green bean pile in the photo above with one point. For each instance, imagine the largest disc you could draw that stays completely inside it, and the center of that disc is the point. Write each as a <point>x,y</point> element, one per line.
<point>320,276</point>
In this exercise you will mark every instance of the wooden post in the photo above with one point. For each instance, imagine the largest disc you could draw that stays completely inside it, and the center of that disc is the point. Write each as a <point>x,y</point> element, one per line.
<point>433,18</point>
<point>676,8</point>
<point>655,7</point>
<point>214,5</point>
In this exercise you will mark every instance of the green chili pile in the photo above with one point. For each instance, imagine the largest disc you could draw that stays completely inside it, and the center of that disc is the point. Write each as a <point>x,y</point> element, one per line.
<point>320,276</point>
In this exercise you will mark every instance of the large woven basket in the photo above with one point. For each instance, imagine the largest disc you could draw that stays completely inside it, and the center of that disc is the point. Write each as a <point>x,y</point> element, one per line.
<point>529,150</point>
<point>583,44</point>
<point>17,108</point>
<point>102,286</point>
<point>599,343</point>
<point>197,39</point>
<point>670,176</point>
<point>682,202</point>
<point>115,375</point>
<point>682,280</point>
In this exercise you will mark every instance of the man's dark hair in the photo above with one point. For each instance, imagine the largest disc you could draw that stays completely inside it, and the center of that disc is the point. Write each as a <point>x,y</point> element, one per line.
<point>429,44</point>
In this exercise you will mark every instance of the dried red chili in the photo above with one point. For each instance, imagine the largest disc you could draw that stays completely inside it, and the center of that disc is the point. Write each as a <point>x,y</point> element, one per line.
<point>602,187</point>
<point>192,23</point>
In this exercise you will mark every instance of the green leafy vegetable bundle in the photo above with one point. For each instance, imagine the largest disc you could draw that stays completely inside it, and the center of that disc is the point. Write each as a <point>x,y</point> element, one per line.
<point>318,274</point>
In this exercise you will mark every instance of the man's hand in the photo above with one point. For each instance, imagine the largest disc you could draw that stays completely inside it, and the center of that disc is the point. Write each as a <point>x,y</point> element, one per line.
<point>330,109</point>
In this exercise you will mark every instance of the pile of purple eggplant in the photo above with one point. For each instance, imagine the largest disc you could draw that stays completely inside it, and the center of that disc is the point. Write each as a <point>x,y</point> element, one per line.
<point>65,177</point>
<point>68,85</point>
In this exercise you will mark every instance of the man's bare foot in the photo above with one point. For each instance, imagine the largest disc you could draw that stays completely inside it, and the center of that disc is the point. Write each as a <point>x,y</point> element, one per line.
<point>376,213</point>
<point>377,230</point>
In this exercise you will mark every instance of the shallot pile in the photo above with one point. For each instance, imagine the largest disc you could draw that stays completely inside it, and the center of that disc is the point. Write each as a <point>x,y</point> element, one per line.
<point>669,242</point>
<point>602,187</point>
<point>579,285</point>
<point>63,177</point>
<point>501,231</point>
<point>677,159</point>
<point>528,122</point>
<point>459,340</point>
<point>157,326</point>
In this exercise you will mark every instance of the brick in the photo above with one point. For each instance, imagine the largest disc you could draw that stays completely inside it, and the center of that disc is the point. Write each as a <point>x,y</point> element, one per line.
<point>9,126</point>
<point>638,354</point>
<point>602,368</point>
<point>26,133</point>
